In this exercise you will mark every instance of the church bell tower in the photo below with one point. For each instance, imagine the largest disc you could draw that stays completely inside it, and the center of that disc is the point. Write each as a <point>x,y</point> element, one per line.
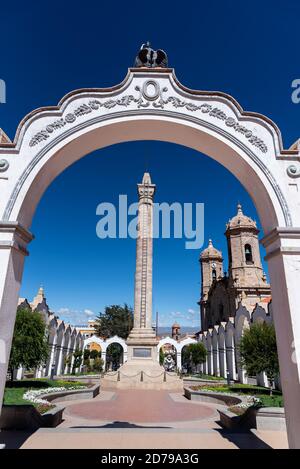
<point>211,261</point>
<point>245,266</point>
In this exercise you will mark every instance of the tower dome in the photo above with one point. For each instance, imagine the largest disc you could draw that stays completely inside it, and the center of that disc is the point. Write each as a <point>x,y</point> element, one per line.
<point>241,221</point>
<point>211,252</point>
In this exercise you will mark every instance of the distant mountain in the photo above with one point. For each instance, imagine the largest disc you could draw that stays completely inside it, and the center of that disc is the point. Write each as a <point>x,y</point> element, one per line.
<point>167,331</point>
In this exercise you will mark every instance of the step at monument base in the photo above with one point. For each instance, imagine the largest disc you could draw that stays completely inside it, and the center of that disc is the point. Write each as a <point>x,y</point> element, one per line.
<point>137,375</point>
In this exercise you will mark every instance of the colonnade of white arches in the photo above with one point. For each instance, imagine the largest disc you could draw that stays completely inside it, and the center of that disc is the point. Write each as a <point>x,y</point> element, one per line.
<point>221,343</point>
<point>63,340</point>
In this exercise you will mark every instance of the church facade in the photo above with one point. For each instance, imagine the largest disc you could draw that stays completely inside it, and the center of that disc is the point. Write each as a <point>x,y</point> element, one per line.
<point>246,283</point>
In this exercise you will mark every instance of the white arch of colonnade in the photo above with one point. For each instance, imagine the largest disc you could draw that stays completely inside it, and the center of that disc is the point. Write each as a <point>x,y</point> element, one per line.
<point>104,344</point>
<point>221,343</point>
<point>178,347</point>
<point>151,104</point>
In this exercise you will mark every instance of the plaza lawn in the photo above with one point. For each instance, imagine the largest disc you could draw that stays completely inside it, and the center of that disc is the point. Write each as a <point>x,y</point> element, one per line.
<point>263,394</point>
<point>14,391</point>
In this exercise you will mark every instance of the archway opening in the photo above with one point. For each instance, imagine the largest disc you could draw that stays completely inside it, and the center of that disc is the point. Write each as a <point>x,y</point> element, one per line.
<point>168,357</point>
<point>114,356</point>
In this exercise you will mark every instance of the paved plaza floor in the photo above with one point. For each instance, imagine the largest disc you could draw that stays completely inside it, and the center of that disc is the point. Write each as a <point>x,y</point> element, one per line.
<point>141,419</point>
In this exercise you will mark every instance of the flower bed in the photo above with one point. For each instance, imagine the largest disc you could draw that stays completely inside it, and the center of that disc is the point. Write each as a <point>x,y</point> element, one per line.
<point>42,405</point>
<point>257,396</point>
<point>29,391</point>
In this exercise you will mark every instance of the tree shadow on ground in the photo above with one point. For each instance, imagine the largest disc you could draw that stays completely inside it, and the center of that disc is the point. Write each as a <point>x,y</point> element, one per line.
<point>243,439</point>
<point>13,439</point>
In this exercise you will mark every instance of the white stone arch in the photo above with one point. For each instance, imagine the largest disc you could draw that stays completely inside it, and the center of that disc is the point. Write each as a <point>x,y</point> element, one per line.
<point>230,349</point>
<point>171,341</point>
<point>260,315</point>
<point>94,339</point>
<point>72,347</point>
<point>73,339</point>
<point>215,351</point>
<point>52,338</point>
<point>66,348</point>
<point>104,344</point>
<point>60,332</point>
<point>249,145</point>
<point>222,349</point>
<point>117,340</point>
<point>97,340</point>
<point>241,323</point>
<point>209,349</point>
<point>167,340</point>
<point>180,346</point>
<point>187,341</point>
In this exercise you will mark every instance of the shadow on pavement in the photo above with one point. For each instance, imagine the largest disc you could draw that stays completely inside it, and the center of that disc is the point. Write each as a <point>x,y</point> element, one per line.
<point>244,439</point>
<point>14,439</point>
<point>119,424</point>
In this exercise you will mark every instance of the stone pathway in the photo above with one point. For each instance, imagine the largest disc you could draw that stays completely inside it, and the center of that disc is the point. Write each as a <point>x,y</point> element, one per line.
<point>142,419</point>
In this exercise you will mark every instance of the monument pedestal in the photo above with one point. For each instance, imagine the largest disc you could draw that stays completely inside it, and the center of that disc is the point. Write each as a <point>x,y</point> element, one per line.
<point>142,345</point>
<point>142,370</point>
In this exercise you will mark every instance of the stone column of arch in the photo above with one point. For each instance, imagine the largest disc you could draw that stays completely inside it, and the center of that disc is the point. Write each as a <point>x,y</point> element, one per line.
<point>215,351</point>
<point>66,350</point>
<point>71,350</point>
<point>19,373</point>
<point>79,345</point>
<point>178,360</point>
<point>13,249</point>
<point>210,366</point>
<point>241,323</point>
<point>59,348</point>
<point>222,350</point>
<point>52,338</point>
<point>51,358</point>
<point>202,338</point>
<point>230,349</point>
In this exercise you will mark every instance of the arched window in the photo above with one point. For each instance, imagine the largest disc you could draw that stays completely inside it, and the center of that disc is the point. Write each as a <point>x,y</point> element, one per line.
<point>214,274</point>
<point>248,254</point>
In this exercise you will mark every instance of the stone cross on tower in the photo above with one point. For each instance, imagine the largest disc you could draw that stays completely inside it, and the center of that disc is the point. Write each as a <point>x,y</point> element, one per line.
<point>142,333</point>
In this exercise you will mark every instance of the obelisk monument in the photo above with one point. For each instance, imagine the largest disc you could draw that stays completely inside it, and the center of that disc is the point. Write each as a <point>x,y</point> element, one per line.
<point>142,339</point>
<point>142,369</point>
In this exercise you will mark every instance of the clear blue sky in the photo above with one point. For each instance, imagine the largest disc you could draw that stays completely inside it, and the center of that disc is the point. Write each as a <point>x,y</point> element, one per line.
<point>247,50</point>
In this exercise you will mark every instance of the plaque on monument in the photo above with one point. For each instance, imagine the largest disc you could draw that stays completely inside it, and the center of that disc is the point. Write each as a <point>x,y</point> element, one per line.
<point>142,352</point>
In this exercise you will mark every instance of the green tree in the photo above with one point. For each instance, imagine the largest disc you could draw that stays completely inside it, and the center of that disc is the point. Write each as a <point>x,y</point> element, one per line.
<point>197,353</point>
<point>94,354</point>
<point>29,345</point>
<point>258,351</point>
<point>77,355</point>
<point>116,320</point>
<point>161,356</point>
<point>86,354</point>
<point>98,364</point>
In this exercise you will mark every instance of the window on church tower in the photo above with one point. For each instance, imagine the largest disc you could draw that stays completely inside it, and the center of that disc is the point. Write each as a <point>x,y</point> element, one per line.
<point>248,254</point>
<point>214,274</point>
